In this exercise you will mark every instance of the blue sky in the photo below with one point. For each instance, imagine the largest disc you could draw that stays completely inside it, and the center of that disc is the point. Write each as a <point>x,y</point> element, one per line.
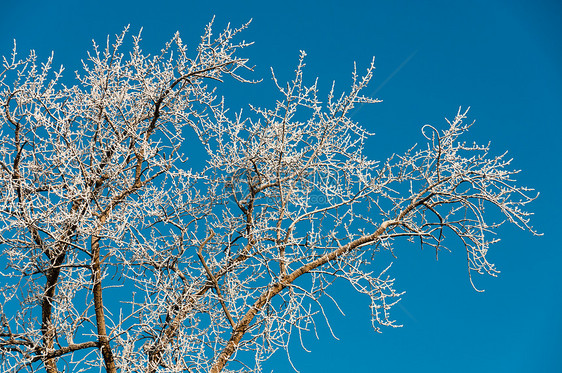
<point>502,58</point>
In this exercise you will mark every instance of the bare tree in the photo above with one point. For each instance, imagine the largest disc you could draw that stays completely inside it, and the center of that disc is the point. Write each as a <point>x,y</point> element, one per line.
<point>116,255</point>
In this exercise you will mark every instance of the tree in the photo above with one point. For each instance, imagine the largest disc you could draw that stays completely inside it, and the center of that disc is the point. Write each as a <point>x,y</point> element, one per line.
<point>116,254</point>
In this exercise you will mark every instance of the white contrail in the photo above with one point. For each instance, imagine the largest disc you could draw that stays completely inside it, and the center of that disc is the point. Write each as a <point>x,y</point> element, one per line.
<point>394,73</point>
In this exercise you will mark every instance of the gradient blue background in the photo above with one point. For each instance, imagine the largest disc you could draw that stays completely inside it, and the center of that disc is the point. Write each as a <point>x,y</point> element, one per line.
<point>502,58</point>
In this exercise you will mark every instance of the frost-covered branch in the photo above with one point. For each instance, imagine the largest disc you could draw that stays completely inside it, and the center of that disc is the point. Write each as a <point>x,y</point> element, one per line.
<point>116,255</point>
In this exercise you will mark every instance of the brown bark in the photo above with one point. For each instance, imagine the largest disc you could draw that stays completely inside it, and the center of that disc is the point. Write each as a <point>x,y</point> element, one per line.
<point>47,328</point>
<point>67,349</point>
<point>244,323</point>
<point>103,339</point>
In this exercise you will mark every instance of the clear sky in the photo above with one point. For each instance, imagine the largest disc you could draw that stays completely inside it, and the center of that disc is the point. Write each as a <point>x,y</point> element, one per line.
<point>502,58</point>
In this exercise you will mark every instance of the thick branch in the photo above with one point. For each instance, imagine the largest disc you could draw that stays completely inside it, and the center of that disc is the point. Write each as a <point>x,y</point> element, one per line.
<point>66,349</point>
<point>103,339</point>
<point>47,328</point>
<point>244,323</point>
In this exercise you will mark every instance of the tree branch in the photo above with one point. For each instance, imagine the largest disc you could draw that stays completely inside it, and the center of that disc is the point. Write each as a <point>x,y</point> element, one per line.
<point>214,280</point>
<point>274,289</point>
